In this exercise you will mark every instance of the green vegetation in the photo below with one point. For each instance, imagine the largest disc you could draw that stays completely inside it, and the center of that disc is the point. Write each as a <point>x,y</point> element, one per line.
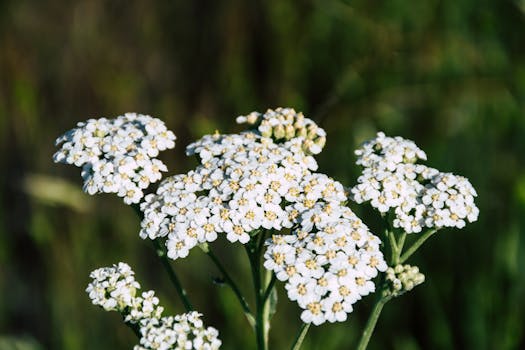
<point>449,75</point>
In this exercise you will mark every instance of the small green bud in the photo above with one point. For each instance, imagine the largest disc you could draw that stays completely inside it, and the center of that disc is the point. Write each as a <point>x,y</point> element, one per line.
<point>403,278</point>
<point>279,132</point>
<point>321,141</point>
<point>301,132</point>
<point>289,131</point>
<point>252,118</point>
<point>312,131</point>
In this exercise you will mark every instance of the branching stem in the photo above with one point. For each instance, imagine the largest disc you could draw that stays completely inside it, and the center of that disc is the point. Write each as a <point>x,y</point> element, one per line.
<point>416,245</point>
<point>230,282</point>
<point>161,253</point>
<point>300,336</point>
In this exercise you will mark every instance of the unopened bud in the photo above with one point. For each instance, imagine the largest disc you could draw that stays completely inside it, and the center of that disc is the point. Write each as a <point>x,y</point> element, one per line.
<point>252,118</point>
<point>279,132</point>
<point>301,132</point>
<point>290,132</point>
<point>403,278</point>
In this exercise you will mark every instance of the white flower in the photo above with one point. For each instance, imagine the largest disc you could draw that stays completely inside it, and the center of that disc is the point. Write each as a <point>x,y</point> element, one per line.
<point>113,288</point>
<point>117,155</point>
<point>335,309</point>
<point>420,197</point>
<point>182,332</point>
<point>244,183</point>
<point>145,306</point>
<point>327,264</point>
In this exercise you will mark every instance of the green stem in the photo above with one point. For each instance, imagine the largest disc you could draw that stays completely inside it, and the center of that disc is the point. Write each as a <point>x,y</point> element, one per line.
<point>229,281</point>
<point>401,242</point>
<point>269,288</point>
<point>135,328</point>
<point>396,246</point>
<point>300,336</point>
<point>254,249</point>
<point>399,248</point>
<point>416,245</point>
<point>371,323</point>
<point>269,283</point>
<point>393,247</point>
<point>161,253</point>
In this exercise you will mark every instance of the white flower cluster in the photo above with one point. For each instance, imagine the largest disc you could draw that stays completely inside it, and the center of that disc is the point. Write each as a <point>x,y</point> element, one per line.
<point>117,155</point>
<point>328,261</point>
<point>114,289</point>
<point>286,124</point>
<point>182,332</point>
<point>403,278</point>
<point>248,182</point>
<point>245,182</point>
<point>420,196</point>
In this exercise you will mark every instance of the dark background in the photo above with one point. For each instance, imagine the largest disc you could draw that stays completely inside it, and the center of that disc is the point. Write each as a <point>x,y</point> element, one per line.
<point>448,74</point>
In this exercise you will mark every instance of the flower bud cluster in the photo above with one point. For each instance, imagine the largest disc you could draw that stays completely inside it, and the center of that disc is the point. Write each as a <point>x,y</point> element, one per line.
<point>284,124</point>
<point>114,289</point>
<point>182,332</point>
<point>117,155</point>
<point>403,278</point>
<point>418,195</point>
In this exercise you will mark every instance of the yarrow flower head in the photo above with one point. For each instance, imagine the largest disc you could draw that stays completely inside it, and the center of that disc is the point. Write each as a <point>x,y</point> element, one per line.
<point>283,124</point>
<point>182,332</point>
<point>117,155</point>
<point>255,181</point>
<point>114,289</point>
<point>388,152</point>
<point>419,196</point>
<point>242,184</point>
<point>330,257</point>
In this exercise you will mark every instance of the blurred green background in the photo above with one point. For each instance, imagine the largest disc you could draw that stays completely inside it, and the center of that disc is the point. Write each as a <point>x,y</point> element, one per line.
<point>448,74</point>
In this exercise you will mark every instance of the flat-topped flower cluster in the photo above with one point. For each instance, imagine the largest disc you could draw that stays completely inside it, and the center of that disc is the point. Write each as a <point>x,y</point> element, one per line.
<point>244,183</point>
<point>114,289</point>
<point>328,262</point>
<point>117,155</point>
<point>262,184</point>
<point>419,196</point>
<point>248,182</point>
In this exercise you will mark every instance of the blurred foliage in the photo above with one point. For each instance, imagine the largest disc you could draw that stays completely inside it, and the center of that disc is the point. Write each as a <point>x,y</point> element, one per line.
<point>448,74</point>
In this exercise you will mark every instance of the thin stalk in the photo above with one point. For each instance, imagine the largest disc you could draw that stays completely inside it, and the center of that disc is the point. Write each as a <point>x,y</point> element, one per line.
<point>269,283</point>
<point>399,248</point>
<point>269,288</point>
<point>401,242</point>
<point>416,245</point>
<point>229,281</point>
<point>396,246</point>
<point>254,249</point>
<point>393,247</point>
<point>300,336</point>
<point>161,253</point>
<point>371,323</point>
